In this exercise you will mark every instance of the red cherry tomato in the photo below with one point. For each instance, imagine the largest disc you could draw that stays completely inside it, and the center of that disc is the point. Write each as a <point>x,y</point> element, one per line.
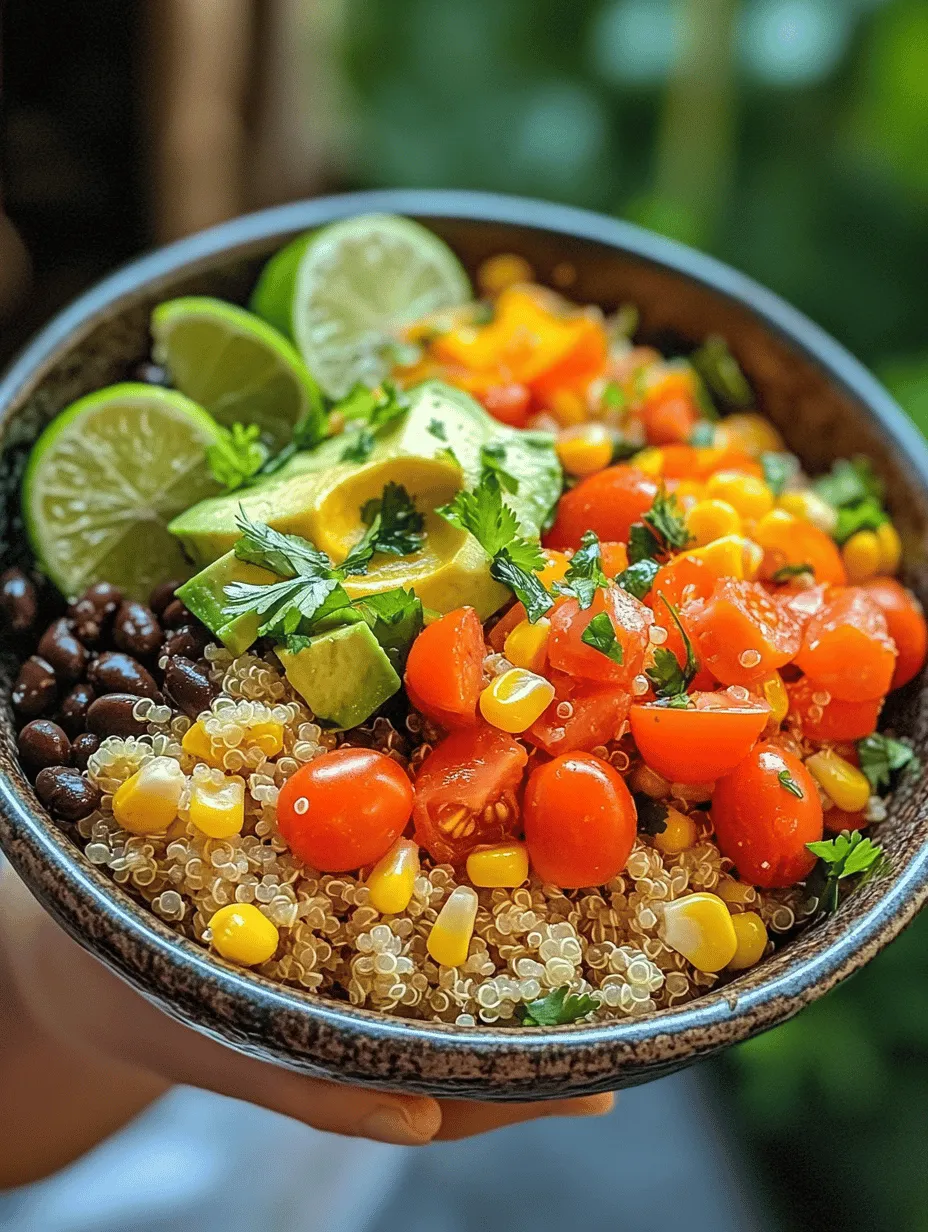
<point>607,502</point>
<point>468,771</point>
<point>837,820</point>
<point>344,810</point>
<point>630,621</point>
<point>741,634</point>
<point>761,824</point>
<point>444,670</point>
<point>847,649</point>
<point>834,722</point>
<point>597,713</point>
<point>580,821</point>
<point>505,625</point>
<point>906,622</point>
<point>701,743</point>
<point>508,403</point>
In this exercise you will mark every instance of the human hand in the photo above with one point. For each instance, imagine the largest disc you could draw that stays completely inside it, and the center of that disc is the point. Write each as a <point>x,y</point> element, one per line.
<point>79,1007</point>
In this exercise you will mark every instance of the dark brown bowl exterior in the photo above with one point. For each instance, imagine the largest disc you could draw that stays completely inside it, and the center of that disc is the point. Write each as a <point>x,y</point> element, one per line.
<point>825,404</point>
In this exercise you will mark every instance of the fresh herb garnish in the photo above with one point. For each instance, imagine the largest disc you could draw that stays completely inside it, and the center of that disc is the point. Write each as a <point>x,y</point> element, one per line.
<point>846,855</point>
<point>638,578</point>
<point>721,371</point>
<point>514,560</point>
<point>600,634</point>
<point>448,455</point>
<point>788,783</point>
<point>437,429</point>
<point>857,493</point>
<point>557,1009</point>
<point>613,397</point>
<point>374,409</point>
<point>779,469</point>
<point>493,458</point>
<point>668,679</point>
<point>236,456</point>
<point>883,756</point>
<point>584,574</point>
<point>662,530</point>
<point>310,430</point>
<point>785,572</point>
<point>401,526</point>
<point>652,814</point>
<point>869,514</point>
<point>395,619</point>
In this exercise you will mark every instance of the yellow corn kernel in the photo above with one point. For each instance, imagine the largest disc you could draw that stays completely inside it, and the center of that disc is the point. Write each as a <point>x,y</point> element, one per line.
<point>678,835</point>
<point>774,694</point>
<point>556,565</point>
<point>711,519</point>
<point>391,880</point>
<point>514,700</point>
<point>243,934</point>
<point>449,939</point>
<point>689,491</point>
<point>862,556</point>
<point>748,494</point>
<point>504,270</point>
<point>730,556</point>
<point>502,867</point>
<point>196,741</point>
<point>268,735</point>
<point>752,434</point>
<point>843,783</point>
<point>699,927</point>
<point>569,408</point>
<point>147,802</point>
<point>527,645</point>
<point>585,449</point>
<point>218,808</point>
<point>650,460</point>
<point>751,936</point>
<point>738,893</point>
<point>890,547</point>
<point>809,506</point>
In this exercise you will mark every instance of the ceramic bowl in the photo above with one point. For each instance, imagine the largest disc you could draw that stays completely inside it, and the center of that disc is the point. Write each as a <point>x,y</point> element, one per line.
<point>821,399</point>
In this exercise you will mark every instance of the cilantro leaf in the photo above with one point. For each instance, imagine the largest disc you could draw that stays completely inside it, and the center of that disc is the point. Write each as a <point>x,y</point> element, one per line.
<point>668,679</point>
<point>600,634</point>
<point>652,814</point>
<point>584,574</point>
<point>310,430</point>
<point>401,526</point>
<point>849,854</point>
<point>721,372</point>
<point>638,578</point>
<point>882,756</point>
<point>485,514</point>
<point>236,456</point>
<point>524,583</point>
<point>557,1009</point>
<point>613,397</point>
<point>788,783</point>
<point>868,514</point>
<point>493,458</point>
<point>285,555</point>
<point>779,469</point>
<point>395,619</point>
<point>437,429</point>
<point>360,446</point>
<point>642,544</point>
<point>374,409</point>
<point>849,482</point>
<point>666,520</point>
<point>785,572</point>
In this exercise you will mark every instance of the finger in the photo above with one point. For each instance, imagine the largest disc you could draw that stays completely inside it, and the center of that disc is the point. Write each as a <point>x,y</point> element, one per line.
<point>464,1119</point>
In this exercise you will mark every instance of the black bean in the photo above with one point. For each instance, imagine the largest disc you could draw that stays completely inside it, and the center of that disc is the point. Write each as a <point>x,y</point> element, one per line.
<point>92,613</point>
<point>63,651</point>
<point>115,672</point>
<point>136,629</point>
<point>162,595</point>
<point>189,686</point>
<point>189,641</point>
<point>85,744</point>
<point>112,716</point>
<point>175,615</point>
<point>18,601</point>
<point>66,793</point>
<point>42,743</point>
<point>151,374</point>
<point>35,689</point>
<point>72,714</point>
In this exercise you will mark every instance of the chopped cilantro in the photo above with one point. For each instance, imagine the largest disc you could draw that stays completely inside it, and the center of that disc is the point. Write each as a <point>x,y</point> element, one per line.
<point>652,814</point>
<point>849,482</point>
<point>883,756</point>
<point>785,572</point>
<point>308,432</point>
<point>613,397</point>
<point>437,429</point>
<point>236,456</point>
<point>779,469</point>
<point>788,783</point>
<point>395,618</point>
<point>600,634</point>
<point>373,409</point>
<point>584,574</point>
<point>638,578</point>
<point>668,679</point>
<point>493,458</point>
<point>666,520</point>
<point>400,532</point>
<point>868,514</point>
<point>642,544</point>
<point>721,372</point>
<point>523,582</point>
<point>845,855</point>
<point>557,1009</point>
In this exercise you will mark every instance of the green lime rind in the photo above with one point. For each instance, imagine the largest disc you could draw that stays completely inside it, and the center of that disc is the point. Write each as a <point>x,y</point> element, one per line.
<point>356,283</point>
<point>104,480</point>
<point>272,298</point>
<point>233,364</point>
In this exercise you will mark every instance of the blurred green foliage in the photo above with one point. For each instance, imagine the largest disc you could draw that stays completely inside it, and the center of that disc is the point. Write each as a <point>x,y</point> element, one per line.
<point>790,138</point>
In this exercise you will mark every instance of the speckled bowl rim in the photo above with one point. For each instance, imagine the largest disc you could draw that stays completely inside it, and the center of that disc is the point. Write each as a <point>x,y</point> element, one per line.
<point>332,1039</point>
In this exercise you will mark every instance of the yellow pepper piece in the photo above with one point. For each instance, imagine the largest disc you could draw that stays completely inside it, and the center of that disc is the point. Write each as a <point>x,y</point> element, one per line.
<point>678,834</point>
<point>513,701</point>
<point>862,556</point>
<point>751,935</point>
<point>699,927</point>
<point>843,783</point>
<point>774,693</point>
<point>147,802</point>
<point>712,519</point>
<point>585,449</point>
<point>504,867</point>
<point>449,939</point>
<point>556,566</point>
<point>243,934</point>
<point>731,556</point>
<point>749,495</point>
<point>809,506</point>
<point>890,547</point>
<point>218,808</point>
<point>391,880</point>
<point>527,644</point>
<point>650,460</point>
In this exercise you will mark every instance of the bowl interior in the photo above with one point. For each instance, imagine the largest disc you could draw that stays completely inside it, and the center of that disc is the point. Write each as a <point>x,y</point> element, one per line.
<point>817,397</point>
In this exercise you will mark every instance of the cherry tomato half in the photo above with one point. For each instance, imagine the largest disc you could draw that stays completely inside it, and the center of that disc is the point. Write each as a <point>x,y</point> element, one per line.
<point>701,743</point>
<point>470,770</point>
<point>764,813</point>
<point>344,810</point>
<point>630,621</point>
<point>597,712</point>
<point>580,821</point>
<point>906,622</point>
<point>607,502</point>
<point>444,670</point>
<point>847,649</point>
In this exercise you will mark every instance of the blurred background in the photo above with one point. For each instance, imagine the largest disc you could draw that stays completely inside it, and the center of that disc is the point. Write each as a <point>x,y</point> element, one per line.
<point>788,137</point>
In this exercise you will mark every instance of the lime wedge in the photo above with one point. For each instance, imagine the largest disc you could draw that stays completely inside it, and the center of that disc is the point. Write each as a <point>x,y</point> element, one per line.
<point>355,283</point>
<point>105,478</point>
<point>272,297</point>
<point>234,364</point>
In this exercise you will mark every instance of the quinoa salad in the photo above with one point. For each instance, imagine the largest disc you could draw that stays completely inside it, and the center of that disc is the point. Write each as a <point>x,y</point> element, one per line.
<point>448,651</point>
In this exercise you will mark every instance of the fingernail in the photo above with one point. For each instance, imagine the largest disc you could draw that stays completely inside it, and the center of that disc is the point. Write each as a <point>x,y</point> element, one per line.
<point>388,1124</point>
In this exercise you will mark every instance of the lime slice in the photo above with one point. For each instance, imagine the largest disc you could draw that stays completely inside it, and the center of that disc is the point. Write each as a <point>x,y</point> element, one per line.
<point>272,297</point>
<point>233,364</point>
<point>356,283</point>
<point>106,477</point>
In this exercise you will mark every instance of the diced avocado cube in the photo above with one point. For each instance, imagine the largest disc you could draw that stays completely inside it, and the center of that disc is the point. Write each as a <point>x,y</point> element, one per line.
<point>204,594</point>
<point>343,675</point>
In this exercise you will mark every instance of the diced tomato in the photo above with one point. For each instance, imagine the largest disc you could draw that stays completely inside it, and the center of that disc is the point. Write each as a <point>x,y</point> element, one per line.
<point>906,622</point>
<point>802,604</point>
<point>741,634</point>
<point>682,580</point>
<point>701,743</point>
<point>847,649</point>
<point>630,620</point>
<point>614,558</point>
<point>699,462</point>
<point>607,503</point>
<point>505,625</point>
<point>582,362</point>
<point>670,412</point>
<point>597,713</point>
<point>444,670</point>
<point>470,770</point>
<point>788,540</point>
<point>509,402</point>
<point>836,820</point>
<point>836,720</point>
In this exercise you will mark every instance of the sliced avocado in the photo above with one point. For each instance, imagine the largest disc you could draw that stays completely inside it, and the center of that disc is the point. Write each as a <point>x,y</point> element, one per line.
<point>204,595</point>
<point>343,675</point>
